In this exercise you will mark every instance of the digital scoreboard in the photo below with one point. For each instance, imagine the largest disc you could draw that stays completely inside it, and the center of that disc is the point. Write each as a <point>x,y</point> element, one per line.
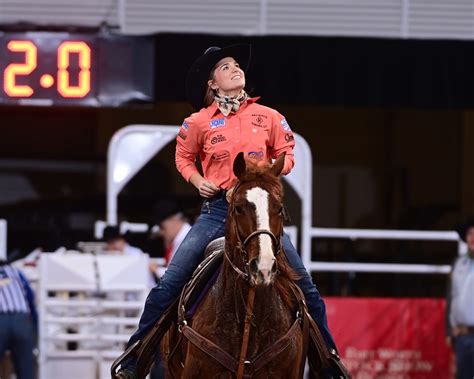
<point>89,69</point>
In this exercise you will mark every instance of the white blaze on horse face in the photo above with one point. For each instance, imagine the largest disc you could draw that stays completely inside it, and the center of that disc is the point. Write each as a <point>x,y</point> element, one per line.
<point>259,197</point>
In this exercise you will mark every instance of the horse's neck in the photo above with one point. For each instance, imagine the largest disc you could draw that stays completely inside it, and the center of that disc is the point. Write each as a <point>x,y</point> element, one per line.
<point>233,293</point>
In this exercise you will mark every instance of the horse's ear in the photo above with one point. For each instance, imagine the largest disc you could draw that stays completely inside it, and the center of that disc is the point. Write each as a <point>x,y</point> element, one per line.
<point>277,166</point>
<point>239,165</point>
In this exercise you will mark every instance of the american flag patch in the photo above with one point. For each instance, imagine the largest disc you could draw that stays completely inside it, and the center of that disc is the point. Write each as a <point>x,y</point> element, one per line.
<point>285,125</point>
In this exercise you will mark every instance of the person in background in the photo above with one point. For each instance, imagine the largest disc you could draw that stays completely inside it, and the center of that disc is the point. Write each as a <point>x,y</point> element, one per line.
<point>18,320</point>
<point>116,242</point>
<point>172,227</point>
<point>460,306</point>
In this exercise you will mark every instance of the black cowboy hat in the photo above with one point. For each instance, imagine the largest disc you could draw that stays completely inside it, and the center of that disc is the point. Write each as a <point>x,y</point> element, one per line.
<point>198,74</point>
<point>464,227</point>
<point>164,209</point>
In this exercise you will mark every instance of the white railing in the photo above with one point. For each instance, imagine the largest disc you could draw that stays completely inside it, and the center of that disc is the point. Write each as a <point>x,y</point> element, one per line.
<point>378,234</point>
<point>100,298</point>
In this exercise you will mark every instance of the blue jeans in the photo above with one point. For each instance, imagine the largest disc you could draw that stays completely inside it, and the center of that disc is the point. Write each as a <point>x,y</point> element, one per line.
<point>209,226</point>
<point>464,349</point>
<point>16,335</point>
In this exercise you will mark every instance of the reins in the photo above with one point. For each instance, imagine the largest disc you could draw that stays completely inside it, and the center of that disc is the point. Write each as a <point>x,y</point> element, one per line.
<point>246,336</point>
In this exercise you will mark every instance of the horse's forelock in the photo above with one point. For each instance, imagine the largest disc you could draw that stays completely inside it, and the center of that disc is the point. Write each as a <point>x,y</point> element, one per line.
<point>262,174</point>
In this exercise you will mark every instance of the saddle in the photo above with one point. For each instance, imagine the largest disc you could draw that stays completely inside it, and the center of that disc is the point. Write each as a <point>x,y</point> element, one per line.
<point>203,277</point>
<point>194,291</point>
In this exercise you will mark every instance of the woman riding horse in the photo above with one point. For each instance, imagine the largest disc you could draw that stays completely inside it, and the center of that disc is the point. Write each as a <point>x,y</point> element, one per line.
<point>251,322</point>
<point>227,122</point>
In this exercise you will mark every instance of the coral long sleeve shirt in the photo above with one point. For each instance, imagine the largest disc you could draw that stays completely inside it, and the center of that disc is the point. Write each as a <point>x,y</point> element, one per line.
<point>259,131</point>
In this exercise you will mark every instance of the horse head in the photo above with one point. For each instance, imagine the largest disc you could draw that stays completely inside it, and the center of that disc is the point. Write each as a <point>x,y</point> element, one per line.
<point>255,221</point>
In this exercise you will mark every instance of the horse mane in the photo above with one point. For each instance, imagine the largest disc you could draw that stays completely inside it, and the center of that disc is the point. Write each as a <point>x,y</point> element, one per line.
<point>286,275</point>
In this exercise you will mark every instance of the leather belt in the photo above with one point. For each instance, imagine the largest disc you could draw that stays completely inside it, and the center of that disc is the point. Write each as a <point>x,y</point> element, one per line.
<point>465,330</point>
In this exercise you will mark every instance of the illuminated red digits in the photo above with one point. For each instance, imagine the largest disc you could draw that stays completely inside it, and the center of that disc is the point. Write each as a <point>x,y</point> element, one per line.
<point>84,84</point>
<point>15,69</point>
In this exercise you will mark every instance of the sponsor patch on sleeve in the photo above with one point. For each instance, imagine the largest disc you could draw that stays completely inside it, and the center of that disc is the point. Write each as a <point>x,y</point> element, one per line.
<point>289,137</point>
<point>285,125</point>
<point>182,135</point>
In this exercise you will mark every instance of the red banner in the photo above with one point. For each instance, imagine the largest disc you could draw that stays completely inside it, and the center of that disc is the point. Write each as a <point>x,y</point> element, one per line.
<point>391,338</point>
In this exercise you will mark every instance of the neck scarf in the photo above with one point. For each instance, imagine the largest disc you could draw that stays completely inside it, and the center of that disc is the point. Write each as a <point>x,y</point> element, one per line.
<point>228,104</point>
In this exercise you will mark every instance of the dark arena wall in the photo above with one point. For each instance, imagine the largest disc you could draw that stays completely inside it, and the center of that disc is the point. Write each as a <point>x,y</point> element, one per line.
<point>372,72</point>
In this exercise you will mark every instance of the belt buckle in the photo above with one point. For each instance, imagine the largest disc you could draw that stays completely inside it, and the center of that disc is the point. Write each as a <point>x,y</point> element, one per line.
<point>464,330</point>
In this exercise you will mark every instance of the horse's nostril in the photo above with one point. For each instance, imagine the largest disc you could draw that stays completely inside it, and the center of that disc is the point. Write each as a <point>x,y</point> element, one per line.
<point>254,266</point>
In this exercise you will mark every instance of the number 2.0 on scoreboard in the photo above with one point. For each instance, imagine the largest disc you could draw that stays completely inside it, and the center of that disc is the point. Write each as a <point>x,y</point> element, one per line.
<point>55,68</point>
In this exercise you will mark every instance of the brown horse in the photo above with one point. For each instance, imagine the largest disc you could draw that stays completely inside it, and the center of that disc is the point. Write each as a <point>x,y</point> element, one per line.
<point>249,321</point>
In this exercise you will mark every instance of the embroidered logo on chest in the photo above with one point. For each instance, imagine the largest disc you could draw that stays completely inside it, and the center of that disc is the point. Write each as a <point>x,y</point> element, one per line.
<point>259,120</point>
<point>220,155</point>
<point>256,155</point>
<point>218,138</point>
<point>218,123</point>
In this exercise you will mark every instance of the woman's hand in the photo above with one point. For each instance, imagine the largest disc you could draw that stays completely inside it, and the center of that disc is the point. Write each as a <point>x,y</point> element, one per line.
<point>206,188</point>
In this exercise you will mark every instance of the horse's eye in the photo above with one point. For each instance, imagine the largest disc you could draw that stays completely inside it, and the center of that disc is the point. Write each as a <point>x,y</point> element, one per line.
<point>280,211</point>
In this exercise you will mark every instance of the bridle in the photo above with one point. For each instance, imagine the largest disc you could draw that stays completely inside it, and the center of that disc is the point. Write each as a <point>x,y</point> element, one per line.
<point>243,251</point>
<point>245,275</point>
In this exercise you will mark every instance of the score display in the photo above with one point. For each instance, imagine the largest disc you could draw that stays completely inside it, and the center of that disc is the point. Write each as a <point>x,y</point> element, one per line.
<point>56,68</point>
<point>14,71</point>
